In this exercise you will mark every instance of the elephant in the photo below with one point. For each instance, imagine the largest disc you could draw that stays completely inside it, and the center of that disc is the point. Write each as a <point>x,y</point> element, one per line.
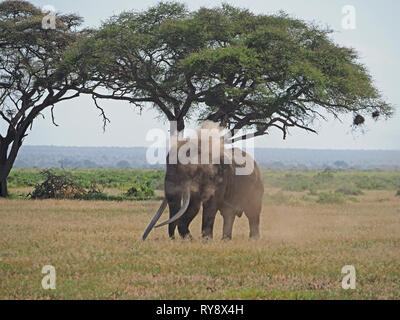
<point>215,186</point>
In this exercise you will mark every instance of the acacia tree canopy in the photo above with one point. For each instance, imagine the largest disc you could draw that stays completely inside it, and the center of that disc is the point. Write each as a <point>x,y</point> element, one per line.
<point>228,65</point>
<point>31,75</point>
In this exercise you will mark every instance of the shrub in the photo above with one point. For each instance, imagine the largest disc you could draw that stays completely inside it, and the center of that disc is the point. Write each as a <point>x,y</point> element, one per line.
<point>330,198</point>
<point>313,192</point>
<point>349,190</point>
<point>305,198</point>
<point>374,182</point>
<point>67,186</point>
<point>62,186</point>
<point>398,193</point>
<point>302,182</point>
<point>23,177</point>
<point>57,186</point>
<point>323,177</point>
<point>103,197</point>
<point>141,191</point>
<point>295,182</point>
<point>279,198</point>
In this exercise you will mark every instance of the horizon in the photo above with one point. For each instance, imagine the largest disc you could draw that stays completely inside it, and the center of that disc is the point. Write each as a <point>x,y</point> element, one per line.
<point>146,147</point>
<point>139,157</point>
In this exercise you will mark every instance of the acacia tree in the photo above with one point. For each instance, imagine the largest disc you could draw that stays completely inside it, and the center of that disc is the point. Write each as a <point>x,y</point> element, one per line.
<point>228,65</point>
<point>31,76</point>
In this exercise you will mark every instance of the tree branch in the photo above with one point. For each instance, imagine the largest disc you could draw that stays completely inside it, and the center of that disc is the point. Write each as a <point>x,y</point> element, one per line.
<point>102,113</point>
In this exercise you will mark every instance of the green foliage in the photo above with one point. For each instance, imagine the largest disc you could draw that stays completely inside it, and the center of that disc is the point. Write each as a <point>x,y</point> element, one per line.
<point>306,198</point>
<point>349,190</point>
<point>296,182</point>
<point>57,186</point>
<point>141,191</point>
<point>103,197</point>
<point>24,177</point>
<point>330,198</point>
<point>84,184</point>
<point>33,73</point>
<point>324,177</point>
<point>313,192</point>
<point>280,198</point>
<point>135,184</point>
<point>375,182</point>
<point>302,182</point>
<point>110,178</point>
<point>353,181</point>
<point>259,71</point>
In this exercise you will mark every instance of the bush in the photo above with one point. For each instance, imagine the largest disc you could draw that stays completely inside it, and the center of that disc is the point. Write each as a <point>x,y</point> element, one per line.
<point>141,191</point>
<point>330,198</point>
<point>349,190</point>
<point>102,197</point>
<point>324,177</point>
<point>295,182</point>
<point>302,182</point>
<point>354,199</point>
<point>63,186</point>
<point>398,193</point>
<point>374,182</point>
<point>23,178</point>
<point>57,186</point>
<point>280,198</point>
<point>305,198</point>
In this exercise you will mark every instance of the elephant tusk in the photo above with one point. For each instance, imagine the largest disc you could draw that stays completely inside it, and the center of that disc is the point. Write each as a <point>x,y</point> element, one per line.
<point>155,219</point>
<point>186,200</point>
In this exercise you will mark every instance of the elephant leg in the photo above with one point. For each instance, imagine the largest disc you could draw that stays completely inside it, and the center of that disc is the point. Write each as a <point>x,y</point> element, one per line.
<point>254,222</point>
<point>229,219</point>
<point>171,229</point>
<point>186,219</point>
<point>209,212</point>
<point>174,206</point>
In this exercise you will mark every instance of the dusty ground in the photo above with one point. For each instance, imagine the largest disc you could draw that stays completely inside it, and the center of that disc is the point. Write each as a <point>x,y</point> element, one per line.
<point>96,250</point>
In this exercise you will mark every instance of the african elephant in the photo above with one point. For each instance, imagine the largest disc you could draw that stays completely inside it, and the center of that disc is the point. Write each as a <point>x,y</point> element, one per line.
<point>217,187</point>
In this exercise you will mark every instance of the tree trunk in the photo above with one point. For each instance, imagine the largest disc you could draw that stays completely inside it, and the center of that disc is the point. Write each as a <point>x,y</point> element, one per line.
<point>4,172</point>
<point>180,125</point>
<point>3,188</point>
<point>176,126</point>
<point>3,168</point>
<point>7,159</point>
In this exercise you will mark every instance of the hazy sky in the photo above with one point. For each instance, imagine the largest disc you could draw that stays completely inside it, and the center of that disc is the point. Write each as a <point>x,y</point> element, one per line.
<point>375,38</point>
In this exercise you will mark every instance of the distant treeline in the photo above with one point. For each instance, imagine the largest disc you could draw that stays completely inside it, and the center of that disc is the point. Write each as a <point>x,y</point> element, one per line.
<point>135,157</point>
<point>289,187</point>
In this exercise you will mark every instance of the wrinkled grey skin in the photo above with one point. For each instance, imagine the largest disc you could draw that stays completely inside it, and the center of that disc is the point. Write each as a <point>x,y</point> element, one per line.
<point>217,188</point>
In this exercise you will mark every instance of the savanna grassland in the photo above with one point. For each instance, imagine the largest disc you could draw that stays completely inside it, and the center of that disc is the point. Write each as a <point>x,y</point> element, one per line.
<point>312,224</point>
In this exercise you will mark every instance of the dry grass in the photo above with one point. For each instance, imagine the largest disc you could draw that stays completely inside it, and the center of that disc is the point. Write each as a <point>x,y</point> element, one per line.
<point>97,252</point>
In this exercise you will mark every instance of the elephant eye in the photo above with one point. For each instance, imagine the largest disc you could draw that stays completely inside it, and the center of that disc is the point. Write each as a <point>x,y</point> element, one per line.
<point>188,153</point>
